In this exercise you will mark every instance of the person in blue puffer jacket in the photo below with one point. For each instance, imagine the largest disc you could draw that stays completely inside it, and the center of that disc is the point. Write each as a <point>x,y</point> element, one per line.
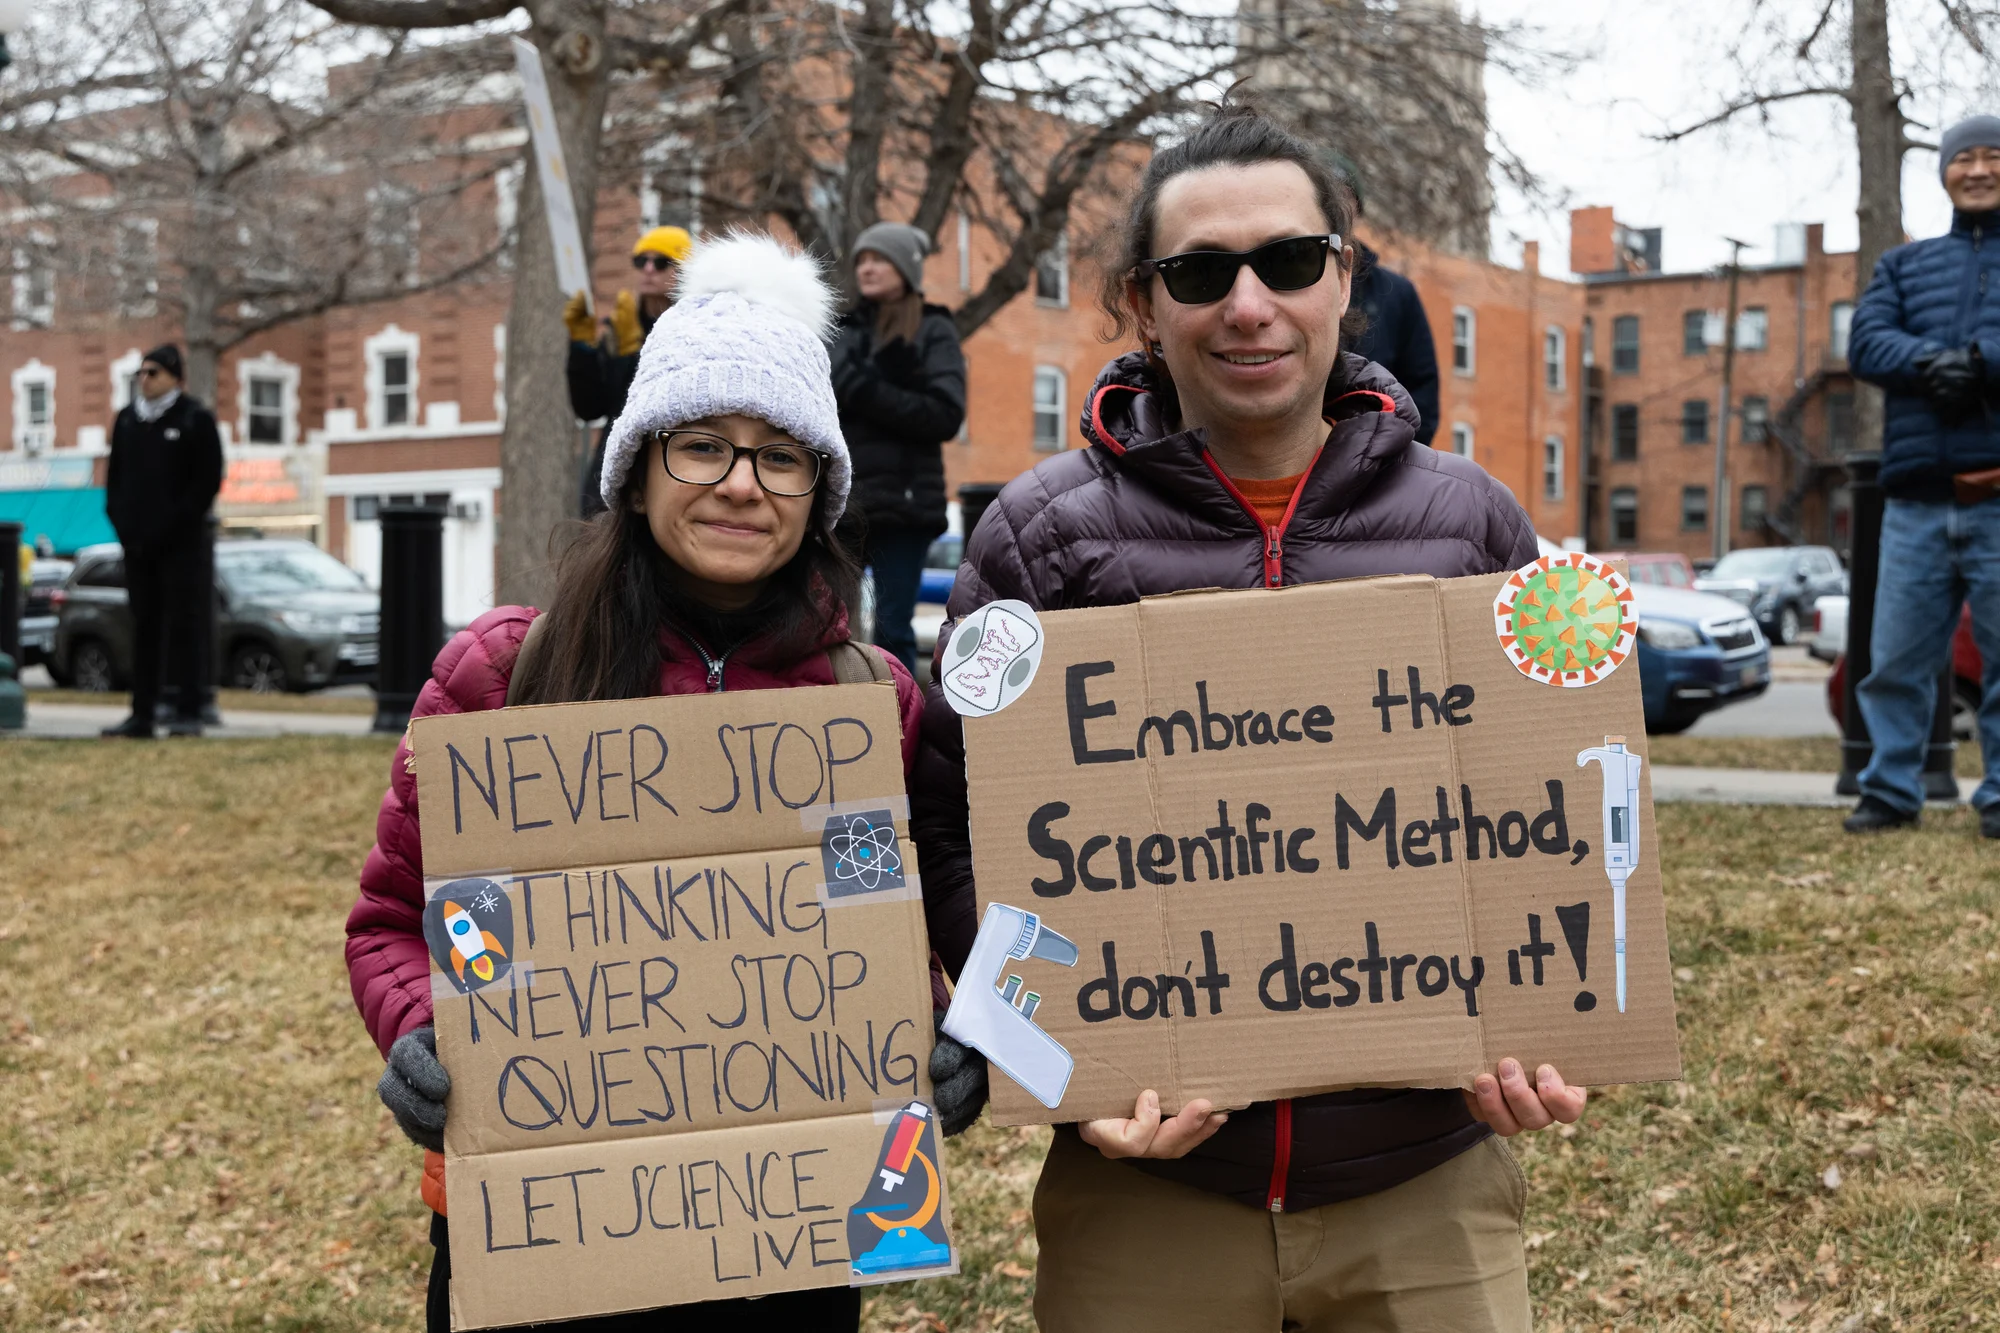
<point>1927,331</point>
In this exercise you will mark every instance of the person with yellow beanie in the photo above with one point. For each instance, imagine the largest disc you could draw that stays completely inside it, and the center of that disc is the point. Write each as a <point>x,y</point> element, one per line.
<point>602,359</point>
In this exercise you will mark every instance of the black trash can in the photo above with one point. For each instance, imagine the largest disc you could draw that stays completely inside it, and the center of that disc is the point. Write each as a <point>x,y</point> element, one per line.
<point>973,498</point>
<point>412,608</point>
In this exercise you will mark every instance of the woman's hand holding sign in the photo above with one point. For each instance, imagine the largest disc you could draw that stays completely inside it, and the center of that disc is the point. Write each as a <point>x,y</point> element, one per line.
<point>1147,1135</point>
<point>1511,1104</point>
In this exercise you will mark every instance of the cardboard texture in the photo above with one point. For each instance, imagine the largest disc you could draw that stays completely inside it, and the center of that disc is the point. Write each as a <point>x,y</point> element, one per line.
<point>1270,889</point>
<point>681,984</point>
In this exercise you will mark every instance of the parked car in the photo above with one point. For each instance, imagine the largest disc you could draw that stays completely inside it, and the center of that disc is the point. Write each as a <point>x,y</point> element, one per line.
<point>1829,628</point>
<point>934,588</point>
<point>38,613</point>
<point>1779,584</point>
<point>1668,569</point>
<point>288,617</point>
<point>1967,675</point>
<point>1697,653</point>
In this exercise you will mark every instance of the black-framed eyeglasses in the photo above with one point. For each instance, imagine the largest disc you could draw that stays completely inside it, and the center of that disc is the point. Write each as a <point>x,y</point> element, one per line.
<point>1200,277</point>
<point>651,259</point>
<point>147,372</point>
<point>701,459</point>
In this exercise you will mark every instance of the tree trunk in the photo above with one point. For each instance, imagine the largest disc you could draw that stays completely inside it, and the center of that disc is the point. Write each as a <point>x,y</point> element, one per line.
<point>540,458</point>
<point>1878,134</point>
<point>201,283</point>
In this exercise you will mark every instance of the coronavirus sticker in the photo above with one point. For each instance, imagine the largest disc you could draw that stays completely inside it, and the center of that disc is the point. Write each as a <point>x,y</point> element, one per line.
<point>1566,620</point>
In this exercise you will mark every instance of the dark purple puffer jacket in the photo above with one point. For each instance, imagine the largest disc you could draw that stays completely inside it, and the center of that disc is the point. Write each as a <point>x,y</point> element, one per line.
<point>1141,512</point>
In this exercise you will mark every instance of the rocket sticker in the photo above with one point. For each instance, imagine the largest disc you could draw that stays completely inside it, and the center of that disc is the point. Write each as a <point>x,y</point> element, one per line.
<point>896,1230</point>
<point>469,925</point>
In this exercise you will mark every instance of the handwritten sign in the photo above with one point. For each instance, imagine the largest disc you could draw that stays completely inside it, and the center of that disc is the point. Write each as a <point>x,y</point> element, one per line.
<point>681,985</point>
<point>1284,842</point>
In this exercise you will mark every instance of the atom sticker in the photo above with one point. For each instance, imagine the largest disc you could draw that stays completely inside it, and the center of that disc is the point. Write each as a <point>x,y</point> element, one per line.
<point>860,854</point>
<point>1567,620</point>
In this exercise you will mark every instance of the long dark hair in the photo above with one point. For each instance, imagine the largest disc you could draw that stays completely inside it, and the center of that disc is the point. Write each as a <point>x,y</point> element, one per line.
<point>616,589</point>
<point>1236,135</point>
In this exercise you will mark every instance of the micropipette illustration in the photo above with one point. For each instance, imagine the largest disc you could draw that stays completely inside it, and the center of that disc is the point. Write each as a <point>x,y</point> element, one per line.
<point>999,1022</point>
<point>1621,832</point>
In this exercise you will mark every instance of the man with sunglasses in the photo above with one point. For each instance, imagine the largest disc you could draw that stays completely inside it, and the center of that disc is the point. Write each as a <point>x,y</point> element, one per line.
<point>163,475</point>
<point>603,361</point>
<point>1243,448</point>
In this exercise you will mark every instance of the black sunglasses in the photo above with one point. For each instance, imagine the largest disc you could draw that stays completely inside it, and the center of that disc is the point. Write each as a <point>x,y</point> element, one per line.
<point>1203,276</point>
<point>652,260</point>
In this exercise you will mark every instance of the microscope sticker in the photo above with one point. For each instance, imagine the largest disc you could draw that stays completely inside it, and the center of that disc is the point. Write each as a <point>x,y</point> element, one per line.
<point>1567,620</point>
<point>991,659</point>
<point>896,1229</point>
<point>860,854</point>
<point>469,924</point>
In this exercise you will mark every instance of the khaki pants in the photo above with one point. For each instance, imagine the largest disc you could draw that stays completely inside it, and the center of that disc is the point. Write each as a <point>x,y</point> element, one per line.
<point>1122,1250</point>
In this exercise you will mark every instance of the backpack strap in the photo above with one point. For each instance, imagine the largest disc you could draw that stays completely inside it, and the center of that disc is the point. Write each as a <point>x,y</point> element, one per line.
<point>856,664</point>
<point>529,644</point>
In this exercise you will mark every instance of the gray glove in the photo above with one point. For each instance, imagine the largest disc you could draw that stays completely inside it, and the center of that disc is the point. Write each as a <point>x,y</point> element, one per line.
<point>958,1082</point>
<point>414,1085</point>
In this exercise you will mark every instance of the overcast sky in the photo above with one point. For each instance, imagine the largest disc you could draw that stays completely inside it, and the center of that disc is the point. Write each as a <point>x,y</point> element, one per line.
<point>1587,134</point>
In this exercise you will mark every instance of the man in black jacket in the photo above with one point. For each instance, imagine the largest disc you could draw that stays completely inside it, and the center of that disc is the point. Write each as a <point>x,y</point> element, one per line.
<point>165,470</point>
<point>1398,336</point>
<point>603,361</point>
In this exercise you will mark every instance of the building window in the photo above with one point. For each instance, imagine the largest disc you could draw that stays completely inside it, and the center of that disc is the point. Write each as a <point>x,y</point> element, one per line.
<point>34,288</point>
<point>1051,391</point>
<point>1756,419</point>
<point>1624,432</point>
<point>1694,421</point>
<point>1461,439</point>
<point>1552,468</point>
<point>265,409</point>
<point>1052,274</point>
<point>34,407</point>
<point>1694,509</point>
<point>391,236</point>
<point>507,212</point>
<point>1589,341</point>
<point>1753,329</point>
<point>1625,517</point>
<point>137,266</point>
<point>964,252</point>
<point>1625,345</point>
<point>124,380</point>
<point>1555,354</point>
<point>1755,501</point>
<point>1839,423</point>
<point>390,358</point>
<point>268,400</point>
<point>1694,332</point>
<point>1842,326</point>
<point>1464,337</point>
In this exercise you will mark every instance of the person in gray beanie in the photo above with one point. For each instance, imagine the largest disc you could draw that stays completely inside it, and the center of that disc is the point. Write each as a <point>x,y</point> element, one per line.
<point>899,376</point>
<point>713,567</point>
<point>1927,331</point>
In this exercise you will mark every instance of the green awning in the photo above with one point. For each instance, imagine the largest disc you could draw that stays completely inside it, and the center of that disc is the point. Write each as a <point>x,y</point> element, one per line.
<point>70,517</point>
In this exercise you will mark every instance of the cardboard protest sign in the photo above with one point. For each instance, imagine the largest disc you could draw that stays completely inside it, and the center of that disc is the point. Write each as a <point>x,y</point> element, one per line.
<point>1249,845</point>
<point>681,985</point>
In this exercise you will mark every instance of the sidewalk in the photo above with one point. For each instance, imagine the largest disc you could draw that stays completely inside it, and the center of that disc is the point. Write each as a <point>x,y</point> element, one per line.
<point>1756,786</point>
<point>47,721</point>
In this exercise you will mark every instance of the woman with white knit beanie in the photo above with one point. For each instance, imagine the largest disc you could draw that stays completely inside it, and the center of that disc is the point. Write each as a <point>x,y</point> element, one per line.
<point>713,568</point>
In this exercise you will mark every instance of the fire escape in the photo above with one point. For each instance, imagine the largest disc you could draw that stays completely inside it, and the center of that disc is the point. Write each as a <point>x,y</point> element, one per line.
<point>1810,470</point>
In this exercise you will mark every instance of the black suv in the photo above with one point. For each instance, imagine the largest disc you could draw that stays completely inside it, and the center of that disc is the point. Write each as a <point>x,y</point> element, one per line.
<point>288,617</point>
<point>1777,584</point>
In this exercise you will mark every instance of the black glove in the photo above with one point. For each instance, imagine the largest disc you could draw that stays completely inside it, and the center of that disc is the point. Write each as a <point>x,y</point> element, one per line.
<point>1954,380</point>
<point>414,1085</point>
<point>899,362</point>
<point>958,1082</point>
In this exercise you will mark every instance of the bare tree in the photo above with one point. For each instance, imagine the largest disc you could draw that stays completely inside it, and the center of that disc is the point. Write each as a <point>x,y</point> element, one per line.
<point>240,165</point>
<point>1840,49</point>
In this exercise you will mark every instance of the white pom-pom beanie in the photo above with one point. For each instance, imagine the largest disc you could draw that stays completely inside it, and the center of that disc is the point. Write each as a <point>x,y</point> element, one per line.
<point>746,334</point>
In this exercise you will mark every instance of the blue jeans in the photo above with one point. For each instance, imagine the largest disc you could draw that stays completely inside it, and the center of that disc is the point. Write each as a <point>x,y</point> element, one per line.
<point>1935,557</point>
<point>897,557</point>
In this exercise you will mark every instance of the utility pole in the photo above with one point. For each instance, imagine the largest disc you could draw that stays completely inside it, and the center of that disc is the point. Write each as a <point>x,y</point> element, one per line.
<point>1719,509</point>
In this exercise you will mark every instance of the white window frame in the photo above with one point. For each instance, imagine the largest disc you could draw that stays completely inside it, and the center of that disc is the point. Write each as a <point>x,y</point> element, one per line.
<point>1462,439</point>
<point>1552,467</point>
<point>1048,375</point>
<point>30,437</point>
<point>1465,337</point>
<point>382,241</point>
<point>1840,329</point>
<point>124,374</point>
<point>1555,358</point>
<point>1753,317</point>
<point>269,366</point>
<point>388,342</point>
<point>28,261</point>
<point>1058,254</point>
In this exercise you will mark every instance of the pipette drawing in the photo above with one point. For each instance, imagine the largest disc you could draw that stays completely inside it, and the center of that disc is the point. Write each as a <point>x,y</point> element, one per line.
<point>1621,833</point>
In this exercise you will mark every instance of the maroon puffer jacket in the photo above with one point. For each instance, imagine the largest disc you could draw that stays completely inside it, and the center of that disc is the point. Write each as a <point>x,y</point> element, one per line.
<point>388,965</point>
<point>1142,512</point>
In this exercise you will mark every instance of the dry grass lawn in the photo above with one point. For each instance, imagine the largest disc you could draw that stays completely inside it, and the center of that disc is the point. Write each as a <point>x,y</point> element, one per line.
<point>194,1141</point>
<point>1785,754</point>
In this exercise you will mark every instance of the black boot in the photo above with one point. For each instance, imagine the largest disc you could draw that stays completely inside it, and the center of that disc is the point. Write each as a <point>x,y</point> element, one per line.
<point>1989,822</point>
<point>132,728</point>
<point>1872,816</point>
